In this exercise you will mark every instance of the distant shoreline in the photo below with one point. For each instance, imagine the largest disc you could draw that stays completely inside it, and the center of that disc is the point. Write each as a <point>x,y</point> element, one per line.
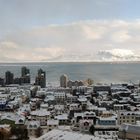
<point>94,62</point>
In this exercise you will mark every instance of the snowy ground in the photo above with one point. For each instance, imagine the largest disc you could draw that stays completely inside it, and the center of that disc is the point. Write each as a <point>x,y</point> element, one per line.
<point>67,135</point>
<point>106,134</point>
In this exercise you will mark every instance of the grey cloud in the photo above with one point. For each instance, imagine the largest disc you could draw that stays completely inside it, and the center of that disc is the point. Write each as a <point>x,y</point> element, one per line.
<point>79,41</point>
<point>118,55</point>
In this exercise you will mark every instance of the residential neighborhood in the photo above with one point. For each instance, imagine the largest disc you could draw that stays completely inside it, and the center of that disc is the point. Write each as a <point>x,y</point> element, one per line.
<point>95,111</point>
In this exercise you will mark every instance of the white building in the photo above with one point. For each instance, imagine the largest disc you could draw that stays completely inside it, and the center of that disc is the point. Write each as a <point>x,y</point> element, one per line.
<point>32,127</point>
<point>40,115</point>
<point>63,119</point>
<point>60,96</point>
<point>63,81</point>
<point>128,117</point>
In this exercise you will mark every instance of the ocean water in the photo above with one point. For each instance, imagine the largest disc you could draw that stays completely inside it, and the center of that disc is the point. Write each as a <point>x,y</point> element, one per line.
<point>99,72</point>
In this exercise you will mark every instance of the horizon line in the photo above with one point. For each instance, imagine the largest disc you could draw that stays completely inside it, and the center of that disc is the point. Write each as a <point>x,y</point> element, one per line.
<point>17,62</point>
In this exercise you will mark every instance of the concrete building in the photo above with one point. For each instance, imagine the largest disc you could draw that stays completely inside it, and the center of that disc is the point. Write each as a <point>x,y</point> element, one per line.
<point>107,121</point>
<point>130,117</point>
<point>129,131</point>
<point>63,81</point>
<point>25,75</point>
<point>1,81</point>
<point>98,88</point>
<point>24,71</point>
<point>70,83</point>
<point>52,124</point>
<point>63,119</point>
<point>40,115</point>
<point>60,96</point>
<point>85,125</point>
<point>9,78</point>
<point>118,107</point>
<point>106,114</point>
<point>70,98</point>
<point>41,78</point>
<point>76,83</point>
<point>32,128</point>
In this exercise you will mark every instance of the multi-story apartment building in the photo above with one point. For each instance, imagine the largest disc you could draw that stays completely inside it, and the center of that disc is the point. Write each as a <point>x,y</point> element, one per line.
<point>40,115</point>
<point>128,117</point>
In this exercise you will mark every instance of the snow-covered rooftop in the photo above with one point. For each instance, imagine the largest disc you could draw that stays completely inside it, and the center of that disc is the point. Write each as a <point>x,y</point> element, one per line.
<point>66,135</point>
<point>62,117</point>
<point>52,122</point>
<point>40,113</point>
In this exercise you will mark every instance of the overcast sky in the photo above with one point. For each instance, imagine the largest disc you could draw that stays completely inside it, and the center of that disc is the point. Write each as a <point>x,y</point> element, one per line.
<point>69,30</point>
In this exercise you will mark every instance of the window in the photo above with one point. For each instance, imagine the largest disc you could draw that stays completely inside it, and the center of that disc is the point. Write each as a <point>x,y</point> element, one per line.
<point>86,124</point>
<point>30,126</point>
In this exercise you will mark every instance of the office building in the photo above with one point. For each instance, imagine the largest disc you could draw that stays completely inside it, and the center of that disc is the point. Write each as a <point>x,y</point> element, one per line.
<point>9,78</point>
<point>41,78</point>
<point>1,81</point>
<point>63,81</point>
<point>25,75</point>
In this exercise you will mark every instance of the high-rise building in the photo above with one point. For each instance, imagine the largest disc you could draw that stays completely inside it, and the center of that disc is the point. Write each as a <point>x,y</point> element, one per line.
<point>63,80</point>
<point>1,81</point>
<point>41,78</point>
<point>17,80</point>
<point>25,75</point>
<point>9,78</point>
<point>24,71</point>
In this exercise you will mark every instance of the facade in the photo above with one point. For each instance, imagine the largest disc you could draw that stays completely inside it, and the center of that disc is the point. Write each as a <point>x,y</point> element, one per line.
<point>52,124</point>
<point>17,80</point>
<point>63,119</point>
<point>59,109</point>
<point>24,71</point>
<point>128,131</point>
<point>32,127</point>
<point>3,104</point>
<point>40,115</point>
<point>1,81</point>
<point>76,83</point>
<point>106,114</point>
<point>85,116</point>
<point>70,98</point>
<point>97,88</point>
<point>41,78</point>
<point>108,121</point>
<point>82,100</point>
<point>70,83</point>
<point>118,107</point>
<point>63,81</point>
<point>60,96</point>
<point>9,78</point>
<point>130,117</point>
<point>85,125</point>
<point>25,75</point>
<point>75,107</point>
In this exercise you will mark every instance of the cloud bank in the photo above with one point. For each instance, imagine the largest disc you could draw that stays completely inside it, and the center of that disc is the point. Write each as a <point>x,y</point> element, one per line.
<point>118,55</point>
<point>97,40</point>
